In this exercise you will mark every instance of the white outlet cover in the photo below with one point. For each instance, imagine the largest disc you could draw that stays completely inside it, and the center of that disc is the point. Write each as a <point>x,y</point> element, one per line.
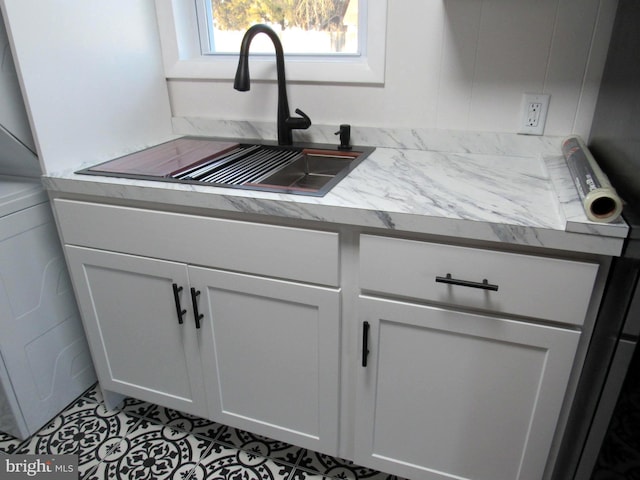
<point>528,98</point>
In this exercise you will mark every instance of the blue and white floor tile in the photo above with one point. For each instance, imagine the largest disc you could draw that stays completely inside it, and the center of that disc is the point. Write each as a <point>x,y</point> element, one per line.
<point>143,441</point>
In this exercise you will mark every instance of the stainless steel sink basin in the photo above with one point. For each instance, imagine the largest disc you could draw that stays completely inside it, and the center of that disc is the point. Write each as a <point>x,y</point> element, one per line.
<point>308,169</point>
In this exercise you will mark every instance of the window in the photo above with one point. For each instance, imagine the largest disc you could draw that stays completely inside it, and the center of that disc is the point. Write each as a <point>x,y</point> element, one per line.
<point>192,45</point>
<point>305,27</point>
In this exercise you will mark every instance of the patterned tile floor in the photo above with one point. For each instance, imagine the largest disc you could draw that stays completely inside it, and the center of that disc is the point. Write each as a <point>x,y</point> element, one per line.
<point>146,442</point>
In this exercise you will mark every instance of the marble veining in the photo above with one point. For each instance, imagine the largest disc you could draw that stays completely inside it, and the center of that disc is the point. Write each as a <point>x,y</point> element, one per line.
<point>490,187</point>
<point>450,141</point>
<point>495,189</point>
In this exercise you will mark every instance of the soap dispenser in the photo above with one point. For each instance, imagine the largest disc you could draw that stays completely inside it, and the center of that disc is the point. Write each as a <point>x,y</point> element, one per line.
<point>345,137</point>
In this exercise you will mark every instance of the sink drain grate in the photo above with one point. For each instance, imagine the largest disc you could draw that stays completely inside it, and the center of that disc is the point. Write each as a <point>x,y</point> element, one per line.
<point>245,164</point>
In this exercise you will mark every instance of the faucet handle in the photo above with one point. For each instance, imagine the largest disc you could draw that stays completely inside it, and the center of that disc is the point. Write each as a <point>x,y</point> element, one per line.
<point>299,123</point>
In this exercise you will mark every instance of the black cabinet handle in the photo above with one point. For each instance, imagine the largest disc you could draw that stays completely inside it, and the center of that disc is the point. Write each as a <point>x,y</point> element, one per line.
<point>194,300</point>
<point>176,297</point>
<point>484,285</point>
<point>365,343</point>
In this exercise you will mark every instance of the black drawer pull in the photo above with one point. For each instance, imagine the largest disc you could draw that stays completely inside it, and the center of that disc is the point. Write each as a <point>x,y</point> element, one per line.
<point>194,301</point>
<point>484,285</point>
<point>176,297</point>
<point>365,343</point>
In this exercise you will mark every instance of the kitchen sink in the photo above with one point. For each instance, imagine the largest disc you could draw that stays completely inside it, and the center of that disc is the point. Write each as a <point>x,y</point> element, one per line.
<point>311,170</point>
<point>304,169</point>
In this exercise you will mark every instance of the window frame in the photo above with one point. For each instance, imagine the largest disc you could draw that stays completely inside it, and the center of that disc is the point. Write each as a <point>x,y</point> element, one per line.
<point>183,58</point>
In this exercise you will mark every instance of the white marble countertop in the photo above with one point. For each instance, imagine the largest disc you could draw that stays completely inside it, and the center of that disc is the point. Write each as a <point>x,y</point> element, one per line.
<point>500,188</point>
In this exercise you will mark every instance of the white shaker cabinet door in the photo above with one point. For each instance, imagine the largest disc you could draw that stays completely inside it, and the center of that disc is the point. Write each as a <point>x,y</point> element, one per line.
<point>451,395</point>
<point>130,314</point>
<point>270,355</point>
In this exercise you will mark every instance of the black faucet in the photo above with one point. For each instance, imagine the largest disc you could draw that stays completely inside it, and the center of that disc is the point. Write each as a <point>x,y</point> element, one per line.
<point>286,123</point>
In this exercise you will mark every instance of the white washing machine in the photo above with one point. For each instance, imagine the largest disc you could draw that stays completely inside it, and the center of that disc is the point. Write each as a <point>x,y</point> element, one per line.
<point>44,358</point>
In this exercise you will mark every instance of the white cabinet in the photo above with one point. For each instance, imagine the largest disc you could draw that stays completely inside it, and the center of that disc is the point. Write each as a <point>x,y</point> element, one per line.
<point>446,391</point>
<point>270,353</point>
<point>247,350</point>
<point>139,347</point>
<point>464,354</point>
<point>450,395</point>
<point>525,285</point>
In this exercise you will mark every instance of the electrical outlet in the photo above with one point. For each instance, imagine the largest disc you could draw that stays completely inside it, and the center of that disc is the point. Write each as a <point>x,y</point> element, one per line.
<point>533,113</point>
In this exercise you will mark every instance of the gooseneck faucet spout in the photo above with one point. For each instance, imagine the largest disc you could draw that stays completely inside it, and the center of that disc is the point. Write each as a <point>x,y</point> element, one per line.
<point>286,123</point>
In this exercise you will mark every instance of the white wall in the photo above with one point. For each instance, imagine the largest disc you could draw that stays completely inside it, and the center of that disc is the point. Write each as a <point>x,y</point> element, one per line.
<point>91,74</point>
<point>13,116</point>
<point>94,87</point>
<point>17,149</point>
<point>450,64</point>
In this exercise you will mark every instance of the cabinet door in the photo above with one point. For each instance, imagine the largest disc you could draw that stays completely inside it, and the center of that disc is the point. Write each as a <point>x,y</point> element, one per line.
<point>129,312</point>
<point>270,350</point>
<point>449,395</point>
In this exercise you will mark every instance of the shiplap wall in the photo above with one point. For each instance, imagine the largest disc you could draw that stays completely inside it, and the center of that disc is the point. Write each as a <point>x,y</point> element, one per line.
<point>450,64</point>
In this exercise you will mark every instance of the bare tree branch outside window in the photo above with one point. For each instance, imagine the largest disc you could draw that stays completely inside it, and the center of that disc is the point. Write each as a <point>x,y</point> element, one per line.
<point>327,17</point>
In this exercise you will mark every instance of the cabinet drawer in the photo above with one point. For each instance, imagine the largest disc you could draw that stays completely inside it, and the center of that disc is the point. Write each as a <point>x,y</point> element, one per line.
<point>276,251</point>
<point>541,287</point>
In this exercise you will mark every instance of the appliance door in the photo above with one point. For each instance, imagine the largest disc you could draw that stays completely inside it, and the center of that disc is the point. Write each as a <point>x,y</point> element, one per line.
<point>45,357</point>
<point>11,420</point>
<point>609,356</point>
<point>606,407</point>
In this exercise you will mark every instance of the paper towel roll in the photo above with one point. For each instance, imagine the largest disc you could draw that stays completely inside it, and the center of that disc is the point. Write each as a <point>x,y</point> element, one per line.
<point>600,200</point>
